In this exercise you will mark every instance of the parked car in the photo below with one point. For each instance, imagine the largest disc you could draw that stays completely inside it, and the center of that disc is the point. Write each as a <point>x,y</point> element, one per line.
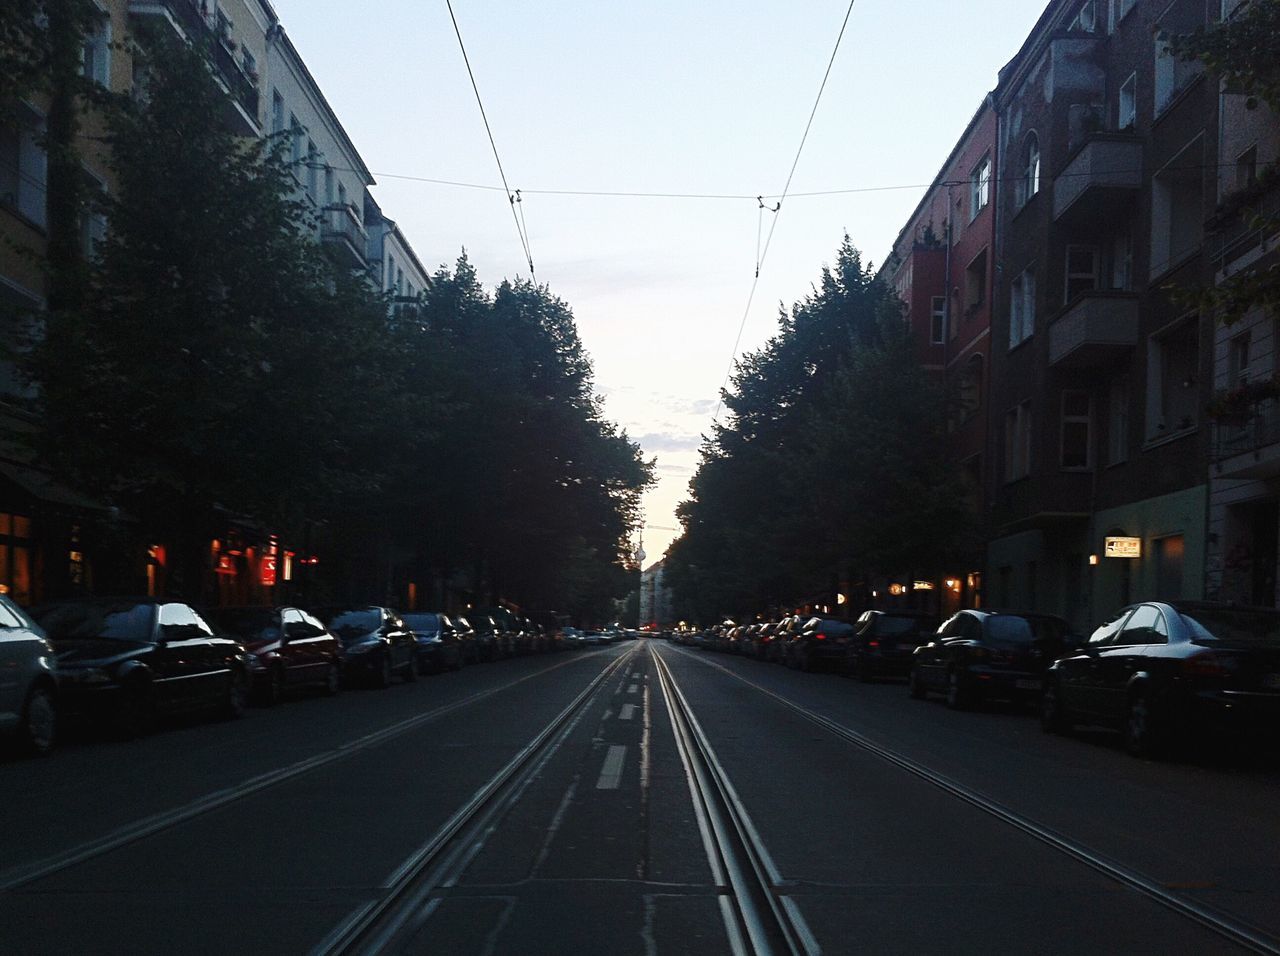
<point>821,642</point>
<point>1160,672</point>
<point>131,660</point>
<point>467,638</point>
<point>375,640</point>
<point>28,681</point>
<point>981,654</point>
<point>574,638</point>
<point>762,641</point>
<point>884,642</point>
<point>439,646</point>
<point>286,649</point>
<point>787,628</point>
<point>488,637</point>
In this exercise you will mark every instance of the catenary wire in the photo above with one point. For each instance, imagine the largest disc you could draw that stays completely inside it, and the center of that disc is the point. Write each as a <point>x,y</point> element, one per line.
<point>755,283</point>
<point>511,197</point>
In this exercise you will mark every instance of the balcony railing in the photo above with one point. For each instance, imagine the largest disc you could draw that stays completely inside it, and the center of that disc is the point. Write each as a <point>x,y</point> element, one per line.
<point>191,20</point>
<point>1248,446</point>
<point>341,229</point>
<point>1106,168</point>
<point>1096,328</point>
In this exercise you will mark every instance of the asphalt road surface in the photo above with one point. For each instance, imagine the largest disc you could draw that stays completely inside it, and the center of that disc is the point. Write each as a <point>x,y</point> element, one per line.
<point>637,798</point>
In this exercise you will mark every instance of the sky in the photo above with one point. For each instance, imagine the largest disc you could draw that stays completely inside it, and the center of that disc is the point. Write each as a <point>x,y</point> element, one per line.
<point>709,97</point>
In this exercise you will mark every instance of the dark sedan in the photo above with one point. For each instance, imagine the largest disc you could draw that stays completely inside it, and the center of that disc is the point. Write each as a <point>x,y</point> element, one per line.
<point>490,639</point>
<point>981,654</point>
<point>821,642</point>
<point>286,647</point>
<point>131,660</point>
<point>1160,672</point>
<point>884,642</point>
<point>375,641</point>
<point>439,645</point>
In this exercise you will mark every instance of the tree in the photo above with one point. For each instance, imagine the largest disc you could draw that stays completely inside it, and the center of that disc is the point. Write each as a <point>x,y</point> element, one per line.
<point>1242,51</point>
<point>220,358</point>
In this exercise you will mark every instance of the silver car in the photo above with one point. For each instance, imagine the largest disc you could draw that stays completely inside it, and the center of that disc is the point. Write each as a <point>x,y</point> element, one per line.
<point>28,681</point>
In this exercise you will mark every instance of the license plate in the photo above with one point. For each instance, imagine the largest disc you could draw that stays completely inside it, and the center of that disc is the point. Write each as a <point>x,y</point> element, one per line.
<point>1271,681</point>
<point>1027,684</point>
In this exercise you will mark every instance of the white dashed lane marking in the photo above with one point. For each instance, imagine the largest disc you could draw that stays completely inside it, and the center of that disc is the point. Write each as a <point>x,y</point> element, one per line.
<point>626,711</point>
<point>611,773</point>
<point>633,688</point>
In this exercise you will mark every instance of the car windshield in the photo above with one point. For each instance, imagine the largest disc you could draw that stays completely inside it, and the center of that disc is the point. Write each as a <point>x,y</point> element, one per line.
<point>349,623</point>
<point>1234,626</point>
<point>125,621</point>
<point>426,623</point>
<point>890,625</point>
<point>253,623</point>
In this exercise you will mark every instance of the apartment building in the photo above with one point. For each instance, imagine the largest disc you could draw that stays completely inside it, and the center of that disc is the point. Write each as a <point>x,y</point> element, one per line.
<point>942,267</point>
<point>394,265</point>
<point>1099,373</point>
<point>1244,472</point>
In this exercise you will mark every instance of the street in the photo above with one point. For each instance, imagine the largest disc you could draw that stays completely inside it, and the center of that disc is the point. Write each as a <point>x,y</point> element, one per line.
<point>639,798</point>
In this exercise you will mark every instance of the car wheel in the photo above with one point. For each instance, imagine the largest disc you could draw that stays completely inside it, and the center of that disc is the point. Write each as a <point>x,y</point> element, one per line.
<point>39,722</point>
<point>959,696</point>
<point>237,699</point>
<point>1142,736</point>
<point>136,715</point>
<point>1053,718</point>
<point>382,678</point>
<point>915,687</point>
<point>332,680</point>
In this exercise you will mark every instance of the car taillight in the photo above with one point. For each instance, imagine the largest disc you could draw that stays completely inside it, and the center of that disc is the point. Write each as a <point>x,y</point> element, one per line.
<point>873,643</point>
<point>819,637</point>
<point>1205,664</point>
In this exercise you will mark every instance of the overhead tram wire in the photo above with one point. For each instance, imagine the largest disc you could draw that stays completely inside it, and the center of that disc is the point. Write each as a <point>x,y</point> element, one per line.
<point>777,211</point>
<point>512,197</point>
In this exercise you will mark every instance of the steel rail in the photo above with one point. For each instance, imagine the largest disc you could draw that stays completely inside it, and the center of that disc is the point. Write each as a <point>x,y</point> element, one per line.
<point>150,825</point>
<point>763,921</point>
<point>1242,934</point>
<point>377,926</point>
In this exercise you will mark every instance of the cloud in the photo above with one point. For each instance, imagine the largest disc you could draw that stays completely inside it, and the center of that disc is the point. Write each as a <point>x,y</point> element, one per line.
<point>668,441</point>
<point>676,471</point>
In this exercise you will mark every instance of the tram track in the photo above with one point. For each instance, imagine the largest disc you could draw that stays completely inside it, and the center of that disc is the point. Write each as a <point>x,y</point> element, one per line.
<point>388,922</point>
<point>1224,925</point>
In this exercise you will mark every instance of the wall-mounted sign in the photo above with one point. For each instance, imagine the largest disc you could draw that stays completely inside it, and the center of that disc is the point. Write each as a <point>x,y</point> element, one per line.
<point>922,586</point>
<point>1123,548</point>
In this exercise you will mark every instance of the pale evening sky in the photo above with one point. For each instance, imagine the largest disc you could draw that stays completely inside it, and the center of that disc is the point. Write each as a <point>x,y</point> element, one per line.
<point>709,97</point>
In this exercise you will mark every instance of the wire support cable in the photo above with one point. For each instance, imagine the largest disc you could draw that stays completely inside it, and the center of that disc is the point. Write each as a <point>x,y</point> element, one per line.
<point>512,197</point>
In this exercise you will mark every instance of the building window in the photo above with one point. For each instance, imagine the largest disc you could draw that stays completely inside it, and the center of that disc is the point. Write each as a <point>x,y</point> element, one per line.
<point>1122,262</point>
<point>1077,428</point>
<point>296,139</point>
<point>249,63</point>
<point>93,221</point>
<point>1086,20</point>
<point>1247,168</point>
<point>1017,442</point>
<point>1082,271</point>
<point>313,170</point>
<point>24,171</point>
<point>970,398</point>
<point>938,320</point>
<point>1031,168</point>
<point>1022,308</point>
<point>15,557</point>
<point>277,112</point>
<point>1173,393</point>
<point>1127,105</point>
<point>1177,210</point>
<point>1173,74</point>
<point>1238,360</point>
<point>1123,7</point>
<point>328,185</point>
<point>975,284</point>
<point>391,273</point>
<point>342,194</point>
<point>96,52</point>
<point>1118,422</point>
<point>979,188</point>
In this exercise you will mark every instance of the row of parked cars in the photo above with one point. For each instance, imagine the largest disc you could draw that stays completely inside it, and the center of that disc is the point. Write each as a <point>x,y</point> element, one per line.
<point>125,662</point>
<point>1160,673</point>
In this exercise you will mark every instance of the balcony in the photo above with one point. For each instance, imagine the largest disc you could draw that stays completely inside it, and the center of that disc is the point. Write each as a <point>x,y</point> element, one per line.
<point>1095,329</point>
<point>1249,447</point>
<point>1105,170</point>
<point>344,235</point>
<point>187,20</point>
